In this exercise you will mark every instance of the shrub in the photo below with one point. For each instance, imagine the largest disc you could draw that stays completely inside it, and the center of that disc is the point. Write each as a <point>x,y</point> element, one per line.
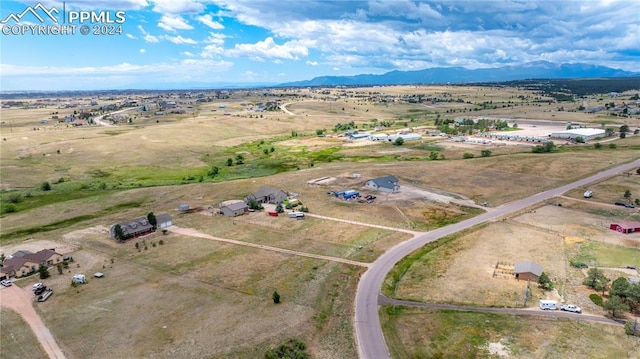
<point>468,155</point>
<point>14,198</point>
<point>577,264</point>
<point>161,242</point>
<point>276,297</point>
<point>597,145</point>
<point>45,186</point>
<point>596,299</point>
<point>9,208</point>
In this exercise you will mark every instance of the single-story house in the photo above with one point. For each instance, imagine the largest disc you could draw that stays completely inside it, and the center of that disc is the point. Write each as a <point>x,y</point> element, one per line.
<point>527,271</point>
<point>24,262</point>
<point>267,195</point>
<point>385,184</point>
<point>625,227</point>
<point>234,209</point>
<point>140,226</point>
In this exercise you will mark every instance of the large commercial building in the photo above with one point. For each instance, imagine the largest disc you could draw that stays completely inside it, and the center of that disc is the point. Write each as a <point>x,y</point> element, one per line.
<point>586,133</point>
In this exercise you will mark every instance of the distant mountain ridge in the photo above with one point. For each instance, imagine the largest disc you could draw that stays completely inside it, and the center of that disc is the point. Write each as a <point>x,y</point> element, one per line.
<point>531,70</point>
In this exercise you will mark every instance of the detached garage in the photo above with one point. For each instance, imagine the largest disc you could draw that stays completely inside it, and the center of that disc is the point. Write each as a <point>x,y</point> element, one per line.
<point>625,227</point>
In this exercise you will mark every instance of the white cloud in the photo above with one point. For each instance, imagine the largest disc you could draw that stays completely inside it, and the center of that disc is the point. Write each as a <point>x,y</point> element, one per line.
<point>215,38</point>
<point>146,36</point>
<point>179,40</point>
<point>131,37</point>
<point>142,51</point>
<point>188,54</point>
<point>312,63</point>
<point>177,6</point>
<point>173,23</point>
<point>291,50</point>
<point>208,20</point>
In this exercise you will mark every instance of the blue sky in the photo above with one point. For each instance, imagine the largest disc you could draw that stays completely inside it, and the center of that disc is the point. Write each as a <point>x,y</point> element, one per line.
<point>210,43</point>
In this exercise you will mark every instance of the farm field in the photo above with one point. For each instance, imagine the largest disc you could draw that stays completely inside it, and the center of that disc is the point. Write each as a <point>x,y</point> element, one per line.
<point>18,341</point>
<point>185,296</point>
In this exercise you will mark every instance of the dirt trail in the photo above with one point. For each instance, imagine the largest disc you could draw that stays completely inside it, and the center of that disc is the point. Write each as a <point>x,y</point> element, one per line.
<point>193,233</point>
<point>20,301</point>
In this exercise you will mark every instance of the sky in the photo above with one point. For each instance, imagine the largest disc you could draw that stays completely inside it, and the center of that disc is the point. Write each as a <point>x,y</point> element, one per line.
<point>181,44</point>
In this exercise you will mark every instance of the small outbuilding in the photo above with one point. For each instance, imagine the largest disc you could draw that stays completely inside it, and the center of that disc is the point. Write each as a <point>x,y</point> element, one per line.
<point>234,209</point>
<point>79,278</point>
<point>527,271</point>
<point>164,221</point>
<point>625,227</point>
<point>385,184</point>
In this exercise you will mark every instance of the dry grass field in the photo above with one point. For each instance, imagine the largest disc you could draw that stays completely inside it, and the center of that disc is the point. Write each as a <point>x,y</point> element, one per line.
<point>421,333</point>
<point>195,297</point>
<point>16,338</point>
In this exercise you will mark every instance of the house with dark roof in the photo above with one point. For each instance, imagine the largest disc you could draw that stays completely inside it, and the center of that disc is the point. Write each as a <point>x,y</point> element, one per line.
<point>267,195</point>
<point>385,184</point>
<point>527,271</point>
<point>22,263</point>
<point>140,226</point>
<point>234,209</point>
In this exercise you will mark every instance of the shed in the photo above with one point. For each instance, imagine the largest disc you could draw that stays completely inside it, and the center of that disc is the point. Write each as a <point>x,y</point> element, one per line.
<point>385,184</point>
<point>625,227</point>
<point>527,271</point>
<point>79,278</point>
<point>183,207</point>
<point>234,209</point>
<point>348,194</point>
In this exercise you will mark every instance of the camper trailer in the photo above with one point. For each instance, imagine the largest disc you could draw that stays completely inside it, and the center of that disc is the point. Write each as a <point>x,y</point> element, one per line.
<point>297,215</point>
<point>548,304</point>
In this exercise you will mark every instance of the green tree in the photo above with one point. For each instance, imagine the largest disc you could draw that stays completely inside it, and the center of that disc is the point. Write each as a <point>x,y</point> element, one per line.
<point>153,221</point>
<point>229,161</point>
<point>320,132</point>
<point>597,145</point>
<point>2,258</point>
<point>485,153</point>
<point>624,129</point>
<point>253,204</point>
<point>44,272</point>
<point>433,155</point>
<point>620,287</point>
<point>468,155</point>
<point>580,139</point>
<point>213,171</point>
<point>545,282</point>
<point>399,141</point>
<point>638,171</point>
<point>616,306</point>
<point>627,194</point>
<point>596,280</point>
<point>59,267</point>
<point>119,233</point>
<point>612,146</point>
<point>279,208</point>
<point>45,186</point>
<point>623,135</point>
<point>276,297</point>
<point>549,146</point>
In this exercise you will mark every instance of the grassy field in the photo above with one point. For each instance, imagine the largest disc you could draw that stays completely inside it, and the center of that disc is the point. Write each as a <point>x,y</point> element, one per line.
<point>421,333</point>
<point>193,297</point>
<point>16,338</point>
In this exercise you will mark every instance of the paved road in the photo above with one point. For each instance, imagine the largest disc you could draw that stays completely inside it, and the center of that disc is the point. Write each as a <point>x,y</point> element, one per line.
<point>19,300</point>
<point>514,311</point>
<point>369,338</point>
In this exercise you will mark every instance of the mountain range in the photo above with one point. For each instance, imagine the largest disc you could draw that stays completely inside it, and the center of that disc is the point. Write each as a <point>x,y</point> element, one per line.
<point>439,75</point>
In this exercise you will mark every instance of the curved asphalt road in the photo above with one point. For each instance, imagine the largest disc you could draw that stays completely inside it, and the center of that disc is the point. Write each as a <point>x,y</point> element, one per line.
<point>369,337</point>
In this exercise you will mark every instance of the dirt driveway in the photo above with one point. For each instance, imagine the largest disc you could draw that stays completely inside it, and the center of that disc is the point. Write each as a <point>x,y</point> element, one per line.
<point>21,300</point>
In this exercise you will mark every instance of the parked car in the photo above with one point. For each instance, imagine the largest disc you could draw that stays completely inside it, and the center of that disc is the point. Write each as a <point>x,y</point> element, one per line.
<point>624,204</point>
<point>38,288</point>
<point>588,194</point>
<point>6,283</point>
<point>571,308</point>
<point>44,296</point>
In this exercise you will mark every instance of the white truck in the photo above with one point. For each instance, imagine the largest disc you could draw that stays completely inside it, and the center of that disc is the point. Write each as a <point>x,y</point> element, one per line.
<point>548,304</point>
<point>571,308</point>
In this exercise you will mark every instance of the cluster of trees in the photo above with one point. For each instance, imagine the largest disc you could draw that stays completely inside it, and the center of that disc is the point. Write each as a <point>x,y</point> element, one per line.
<point>623,295</point>
<point>291,349</point>
<point>339,127</point>
<point>548,146</point>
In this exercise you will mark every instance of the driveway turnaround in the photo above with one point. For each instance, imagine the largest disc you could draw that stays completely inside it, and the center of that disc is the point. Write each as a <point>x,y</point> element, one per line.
<point>369,337</point>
